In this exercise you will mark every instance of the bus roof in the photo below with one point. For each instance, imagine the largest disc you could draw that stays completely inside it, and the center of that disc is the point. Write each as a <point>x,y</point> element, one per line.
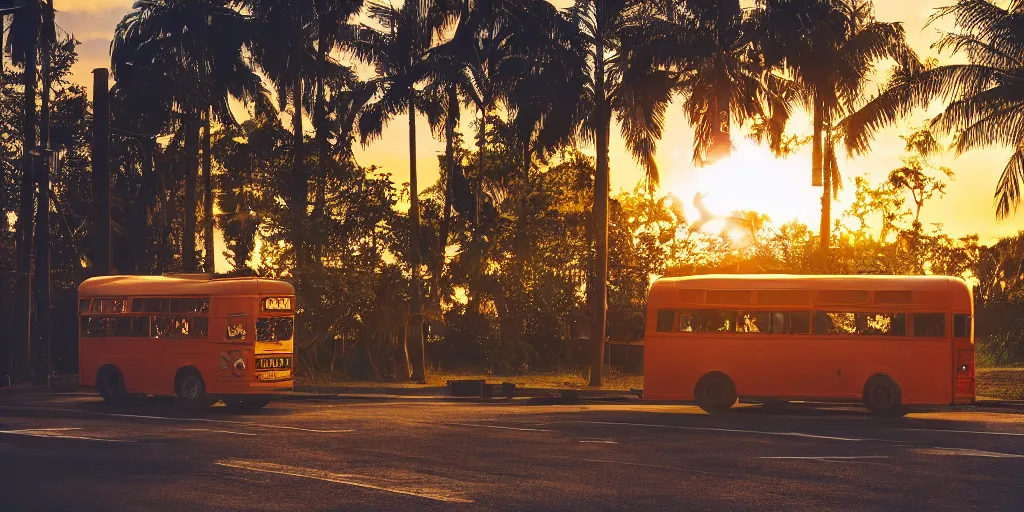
<point>818,282</point>
<point>665,290</point>
<point>175,285</point>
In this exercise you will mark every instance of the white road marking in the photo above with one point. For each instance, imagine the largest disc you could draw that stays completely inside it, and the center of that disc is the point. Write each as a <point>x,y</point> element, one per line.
<point>963,432</point>
<point>57,434</point>
<point>206,420</point>
<point>599,441</point>
<point>650,466</point>
<point>967,452</point>
<point>731,430</point>
<point>832,457</point>
<point>221,431</point>
<point>499,427</point>
<point>327,476</point>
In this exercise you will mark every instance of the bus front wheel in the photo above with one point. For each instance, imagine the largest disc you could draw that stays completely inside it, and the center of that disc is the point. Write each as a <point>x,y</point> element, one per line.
<point>715,393</point>
<point>110,384</point>
<point>190,390</point>
<point>882,396</point>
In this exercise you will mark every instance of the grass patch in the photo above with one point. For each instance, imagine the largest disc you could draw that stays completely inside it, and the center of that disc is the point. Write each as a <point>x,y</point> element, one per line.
<point>613,380</point>
<point>1001,383</point>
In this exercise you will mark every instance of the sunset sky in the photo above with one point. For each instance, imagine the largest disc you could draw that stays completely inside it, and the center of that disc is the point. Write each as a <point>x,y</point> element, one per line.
<point>751,180</point>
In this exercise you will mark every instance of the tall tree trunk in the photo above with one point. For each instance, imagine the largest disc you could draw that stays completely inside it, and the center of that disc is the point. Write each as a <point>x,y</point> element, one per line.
<point>599,291</point>
<point>99,232</point>
<point>449,162</point>
<point>210,259</point>
<point>188,235</point>
<point>23,290</point>
<point>826,200</point>
<point>481,168</point>
<point>41,344</point>
<point>415,344</point>
<point>300,185</point>
<point>140,231</point>
<point>320,119</point>
<point>818,177</point>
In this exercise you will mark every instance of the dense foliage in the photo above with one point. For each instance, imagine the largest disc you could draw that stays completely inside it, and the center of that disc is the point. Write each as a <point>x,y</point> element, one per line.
<point>497,258</point>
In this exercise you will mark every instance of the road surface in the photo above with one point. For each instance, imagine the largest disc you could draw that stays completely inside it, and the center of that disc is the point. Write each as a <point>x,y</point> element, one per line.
<point>72,452</point>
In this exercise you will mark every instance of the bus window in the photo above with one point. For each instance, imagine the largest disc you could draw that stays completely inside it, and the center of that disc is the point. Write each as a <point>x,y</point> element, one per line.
<point>109,305</point>
<point>150,305</point>
<point>835,323</point>
<point>753,322</point>
<point>791,322</point>
<point>868,324</point>
<point>962,326</point>
<point>190,305</point>
<point>97,326</point>
<point>83,305</point>
<point>131,327</point>
<point>666,318</point>
<point>274,329</point>
<point>180,327</point>
<point>929,325</point>
<point>714,320</point>
<point>685,321</point>
<point>883,324</point>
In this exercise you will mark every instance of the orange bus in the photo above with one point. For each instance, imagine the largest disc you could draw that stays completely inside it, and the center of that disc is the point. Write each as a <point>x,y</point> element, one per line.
<point>886,341</point>
<point>193,337</point>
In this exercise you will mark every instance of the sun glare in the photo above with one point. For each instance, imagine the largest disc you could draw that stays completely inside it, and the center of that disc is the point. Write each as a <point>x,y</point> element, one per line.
<point>750,179</point>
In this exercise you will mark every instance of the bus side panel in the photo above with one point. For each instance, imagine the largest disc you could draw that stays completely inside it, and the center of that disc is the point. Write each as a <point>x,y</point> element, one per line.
<point>669,367</point>
<point>921,367</point>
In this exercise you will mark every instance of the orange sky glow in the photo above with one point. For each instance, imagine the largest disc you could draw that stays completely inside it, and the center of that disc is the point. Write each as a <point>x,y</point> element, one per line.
<point>752,179</point>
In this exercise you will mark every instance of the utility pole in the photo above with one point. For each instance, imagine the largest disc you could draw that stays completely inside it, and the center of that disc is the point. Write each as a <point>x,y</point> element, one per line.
<point>100,233</point>
<point>40,347</point>
<point>23,289</point>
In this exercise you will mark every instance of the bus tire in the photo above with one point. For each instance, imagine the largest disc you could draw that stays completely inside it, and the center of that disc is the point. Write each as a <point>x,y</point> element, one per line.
<point>190,390</point>
<point>715,393</point>
<point>245,404</point>
<point>882,396</point>
<point>110,384</point>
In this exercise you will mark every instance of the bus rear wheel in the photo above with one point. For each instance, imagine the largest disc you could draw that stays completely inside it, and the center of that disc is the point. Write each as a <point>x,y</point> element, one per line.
<point>715,393</point>
<point>190,390</point>
<point>110,384</point>
<point>246,404</point>
<point>882,396</point>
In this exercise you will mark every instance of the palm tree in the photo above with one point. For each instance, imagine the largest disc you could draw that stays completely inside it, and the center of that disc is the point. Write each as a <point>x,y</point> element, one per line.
<point>623,82</point>
<point>331,27</point>
<point>830,49</point>
<point>984,104</point>
<point>399,50</point>
<point>195,50</point>
<point>710,44</point>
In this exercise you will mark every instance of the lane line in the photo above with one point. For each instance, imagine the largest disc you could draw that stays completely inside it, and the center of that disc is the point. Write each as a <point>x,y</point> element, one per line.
<point>832,457</point>
<point>206,420</point>
<point>498,427</point>
<point>730,430</point>
<point>655,466</point>
<point>600,441</point>
<point>963,432</point>
<point>967,452</point>
<point>56,434</point>
<point>337,478</point>
<point>221,431</point>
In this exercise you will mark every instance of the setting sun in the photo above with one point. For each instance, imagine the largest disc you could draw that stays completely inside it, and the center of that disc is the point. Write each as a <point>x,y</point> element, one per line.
<point>752,179</point>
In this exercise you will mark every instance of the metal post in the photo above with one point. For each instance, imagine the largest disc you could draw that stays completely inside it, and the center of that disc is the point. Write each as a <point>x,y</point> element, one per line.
<point>101,172</point>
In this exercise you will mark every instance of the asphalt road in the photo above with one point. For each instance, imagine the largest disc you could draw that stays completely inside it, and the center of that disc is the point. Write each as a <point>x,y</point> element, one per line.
<point>71,452</point>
